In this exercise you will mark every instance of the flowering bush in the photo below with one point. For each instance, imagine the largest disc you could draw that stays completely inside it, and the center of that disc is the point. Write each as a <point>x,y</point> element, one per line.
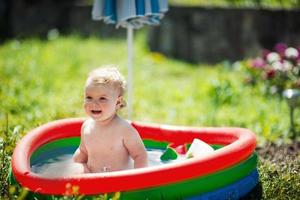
<point>278,69</point>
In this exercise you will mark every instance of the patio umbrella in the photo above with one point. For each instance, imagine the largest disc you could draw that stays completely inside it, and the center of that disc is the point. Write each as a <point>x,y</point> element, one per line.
<point>130,14</point>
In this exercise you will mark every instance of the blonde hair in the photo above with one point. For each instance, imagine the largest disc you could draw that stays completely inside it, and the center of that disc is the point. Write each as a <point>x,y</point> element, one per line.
<point>108,74</point>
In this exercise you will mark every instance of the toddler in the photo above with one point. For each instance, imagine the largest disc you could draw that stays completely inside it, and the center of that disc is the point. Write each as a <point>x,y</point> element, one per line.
<point>107,141</point>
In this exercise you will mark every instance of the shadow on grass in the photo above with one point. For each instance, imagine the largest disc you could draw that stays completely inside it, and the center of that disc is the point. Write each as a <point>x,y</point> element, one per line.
<point>255,194</point>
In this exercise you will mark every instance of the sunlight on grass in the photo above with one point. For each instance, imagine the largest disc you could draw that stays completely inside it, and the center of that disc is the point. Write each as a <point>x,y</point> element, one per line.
<point>43,80</point>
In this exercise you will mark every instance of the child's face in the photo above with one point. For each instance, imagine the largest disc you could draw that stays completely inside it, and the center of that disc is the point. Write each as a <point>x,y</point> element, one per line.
<point>101,101</point>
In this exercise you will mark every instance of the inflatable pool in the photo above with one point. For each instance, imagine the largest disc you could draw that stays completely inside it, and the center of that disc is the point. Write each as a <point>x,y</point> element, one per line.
<point>229,172</point>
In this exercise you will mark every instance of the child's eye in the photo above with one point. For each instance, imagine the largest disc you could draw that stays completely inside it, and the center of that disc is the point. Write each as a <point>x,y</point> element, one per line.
<point>88,98</point>
<point>102,98</point>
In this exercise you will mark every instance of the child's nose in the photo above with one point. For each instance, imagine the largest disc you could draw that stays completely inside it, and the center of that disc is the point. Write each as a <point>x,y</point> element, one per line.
<point>94,103</point>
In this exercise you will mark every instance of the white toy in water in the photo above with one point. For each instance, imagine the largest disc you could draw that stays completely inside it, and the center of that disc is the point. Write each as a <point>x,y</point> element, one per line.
<point>199,149</point>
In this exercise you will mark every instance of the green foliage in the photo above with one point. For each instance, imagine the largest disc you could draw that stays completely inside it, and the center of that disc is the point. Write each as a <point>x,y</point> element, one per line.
<point>41,81</point>
<point>280,180</point>
<point>223,93</point>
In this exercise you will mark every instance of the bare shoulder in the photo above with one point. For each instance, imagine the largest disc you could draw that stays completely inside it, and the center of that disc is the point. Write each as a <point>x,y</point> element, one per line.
<point>85,126</point>
<point>127,128</point>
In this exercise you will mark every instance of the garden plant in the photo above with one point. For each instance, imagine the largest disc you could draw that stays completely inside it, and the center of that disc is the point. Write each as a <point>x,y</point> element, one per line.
<point>278,70</point>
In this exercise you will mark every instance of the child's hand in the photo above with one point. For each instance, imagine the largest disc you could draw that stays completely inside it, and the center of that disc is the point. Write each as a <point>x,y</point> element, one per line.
<point>79,156</point>
<point>79,168</point>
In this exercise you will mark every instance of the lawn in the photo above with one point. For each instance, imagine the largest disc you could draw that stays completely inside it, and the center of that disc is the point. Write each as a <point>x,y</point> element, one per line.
<point>42,80</point>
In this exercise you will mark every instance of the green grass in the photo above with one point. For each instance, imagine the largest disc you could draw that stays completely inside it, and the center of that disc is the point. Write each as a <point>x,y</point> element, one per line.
<point>280,180</point>
<point>41,81</point>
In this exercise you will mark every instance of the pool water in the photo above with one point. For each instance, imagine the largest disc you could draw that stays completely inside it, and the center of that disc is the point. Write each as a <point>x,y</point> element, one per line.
<point>62,165</point>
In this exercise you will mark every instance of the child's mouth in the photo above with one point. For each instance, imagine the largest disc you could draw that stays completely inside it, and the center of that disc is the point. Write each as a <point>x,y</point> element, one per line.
<point>96,112</point>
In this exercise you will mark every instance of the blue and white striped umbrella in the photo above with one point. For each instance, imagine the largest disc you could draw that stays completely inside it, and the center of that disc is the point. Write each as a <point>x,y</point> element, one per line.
<point>130,14</point>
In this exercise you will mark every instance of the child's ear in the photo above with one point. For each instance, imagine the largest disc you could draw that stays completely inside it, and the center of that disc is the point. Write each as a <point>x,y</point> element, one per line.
<point>120,102</point>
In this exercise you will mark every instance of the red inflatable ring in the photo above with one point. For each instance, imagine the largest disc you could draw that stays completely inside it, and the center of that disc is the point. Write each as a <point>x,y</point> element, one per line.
<point>239,145</point>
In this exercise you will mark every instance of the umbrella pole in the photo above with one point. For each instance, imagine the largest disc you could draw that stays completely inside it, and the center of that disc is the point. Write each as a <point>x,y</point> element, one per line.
<point>130,70</point>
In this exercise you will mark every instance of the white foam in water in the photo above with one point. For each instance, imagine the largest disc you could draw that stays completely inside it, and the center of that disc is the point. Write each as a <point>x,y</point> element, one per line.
<point>63,165</point>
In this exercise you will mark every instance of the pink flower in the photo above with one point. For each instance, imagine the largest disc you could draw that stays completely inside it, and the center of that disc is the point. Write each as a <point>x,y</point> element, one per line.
<point>258,63</point>
<point>298,48</point>
<point>265,52</point>
<point>280,48</point>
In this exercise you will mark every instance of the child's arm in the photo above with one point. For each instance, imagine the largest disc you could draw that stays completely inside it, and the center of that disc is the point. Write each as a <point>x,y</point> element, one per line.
<point>80,154</point>
<point>135,147</point>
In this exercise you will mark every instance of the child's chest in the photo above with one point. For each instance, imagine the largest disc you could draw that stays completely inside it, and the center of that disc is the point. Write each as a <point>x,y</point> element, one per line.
<point>104,142</point>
